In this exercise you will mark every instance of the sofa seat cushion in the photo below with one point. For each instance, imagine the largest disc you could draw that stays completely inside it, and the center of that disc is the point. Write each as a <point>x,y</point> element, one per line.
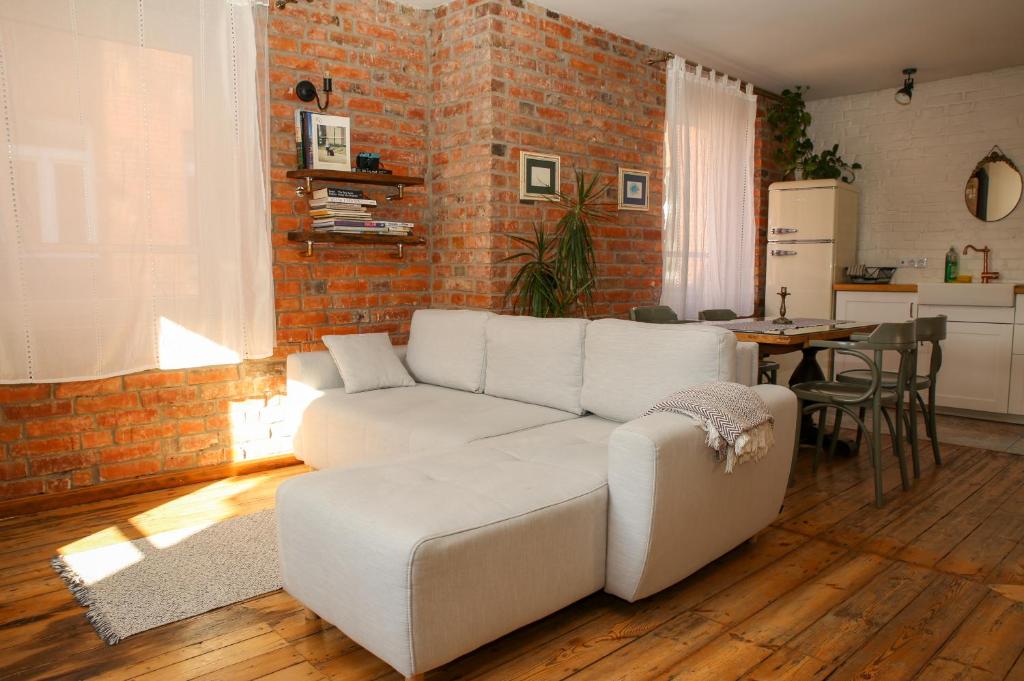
<point>577,444</point>
<point>425,560</point>
<point>341,430</point>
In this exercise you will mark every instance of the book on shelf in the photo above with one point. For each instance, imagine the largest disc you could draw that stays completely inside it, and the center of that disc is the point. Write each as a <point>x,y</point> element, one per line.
<point>364,230</point>
<point>375,224</point>
<point>300,153</point>
<point>339,214</point>
<point>338,193</point>
<point>342,201</point>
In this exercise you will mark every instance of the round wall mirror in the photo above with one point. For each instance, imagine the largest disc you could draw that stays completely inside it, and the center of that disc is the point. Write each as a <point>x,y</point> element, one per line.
<point>994,188</point>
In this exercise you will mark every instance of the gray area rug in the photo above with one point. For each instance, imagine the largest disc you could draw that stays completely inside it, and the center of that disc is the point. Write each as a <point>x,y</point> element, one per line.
<point>137,585</point>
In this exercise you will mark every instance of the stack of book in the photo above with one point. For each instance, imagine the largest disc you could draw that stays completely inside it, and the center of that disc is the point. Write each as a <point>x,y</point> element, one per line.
<point>346,211</point>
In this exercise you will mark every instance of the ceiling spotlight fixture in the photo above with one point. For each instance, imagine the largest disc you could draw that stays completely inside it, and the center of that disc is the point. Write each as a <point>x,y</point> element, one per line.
<point>906,93</point>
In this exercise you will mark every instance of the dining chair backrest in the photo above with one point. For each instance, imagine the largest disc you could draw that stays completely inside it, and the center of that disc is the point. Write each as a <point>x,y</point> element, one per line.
<point>932,330</point>
<point>653,314</point>
<point>720,315</point>
<point>899,336</point>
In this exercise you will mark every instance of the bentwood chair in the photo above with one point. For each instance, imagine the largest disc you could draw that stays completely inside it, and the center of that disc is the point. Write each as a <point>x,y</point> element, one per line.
<point>655,314</point>
<point>768,370</point>
<point>930,330</point>
<point>854,399</point>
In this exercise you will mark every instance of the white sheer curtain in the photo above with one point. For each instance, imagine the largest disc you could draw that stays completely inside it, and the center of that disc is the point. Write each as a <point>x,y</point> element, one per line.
<point>134,231</point>
<point>709,236</point>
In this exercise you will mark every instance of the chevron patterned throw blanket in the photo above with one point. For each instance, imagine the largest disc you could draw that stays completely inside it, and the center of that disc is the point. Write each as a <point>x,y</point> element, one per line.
<point>739,426</point>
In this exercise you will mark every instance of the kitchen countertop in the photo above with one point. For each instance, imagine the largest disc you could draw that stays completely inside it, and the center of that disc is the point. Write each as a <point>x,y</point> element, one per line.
<point>896,288</point>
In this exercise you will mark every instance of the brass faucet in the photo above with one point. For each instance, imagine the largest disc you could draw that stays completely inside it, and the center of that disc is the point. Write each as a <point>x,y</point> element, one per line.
<point>986,276</point>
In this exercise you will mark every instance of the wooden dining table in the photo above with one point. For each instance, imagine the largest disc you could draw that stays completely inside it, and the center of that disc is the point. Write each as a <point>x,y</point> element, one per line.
<point>774,339</point>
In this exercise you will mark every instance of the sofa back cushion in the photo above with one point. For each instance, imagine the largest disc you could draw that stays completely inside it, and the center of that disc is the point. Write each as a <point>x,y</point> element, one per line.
<point>628,366</point>
<point>533,360</point>
<point>446,348</point>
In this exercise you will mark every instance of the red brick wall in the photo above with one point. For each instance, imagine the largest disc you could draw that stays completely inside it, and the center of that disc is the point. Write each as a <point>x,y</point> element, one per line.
<point>512,76</point>
<point>452,94</point>
<point>376,53</point>
<point>461,143</point>
<point>766,171</point>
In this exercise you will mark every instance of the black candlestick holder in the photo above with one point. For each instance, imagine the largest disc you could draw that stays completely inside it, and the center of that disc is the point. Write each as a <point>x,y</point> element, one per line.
<point>782,319</point>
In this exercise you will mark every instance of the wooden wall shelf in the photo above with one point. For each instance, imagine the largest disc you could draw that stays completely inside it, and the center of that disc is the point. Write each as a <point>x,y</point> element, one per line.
<point>309,176</point>
<point>398,240</point>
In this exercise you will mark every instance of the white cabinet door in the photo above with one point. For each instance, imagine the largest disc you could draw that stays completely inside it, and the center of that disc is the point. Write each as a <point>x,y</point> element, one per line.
<point>808,213</point>
<point>1017,385</point>
<point>975,372</point>
<point>874,307</point>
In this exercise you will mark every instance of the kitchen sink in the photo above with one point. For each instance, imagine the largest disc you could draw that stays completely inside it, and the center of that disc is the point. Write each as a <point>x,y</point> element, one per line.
<point>978,295</point>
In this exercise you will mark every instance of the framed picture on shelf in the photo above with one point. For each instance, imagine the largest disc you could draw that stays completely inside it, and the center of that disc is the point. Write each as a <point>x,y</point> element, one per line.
<point>633,189</point>
<point>331,135</point>
<point>539,175</point>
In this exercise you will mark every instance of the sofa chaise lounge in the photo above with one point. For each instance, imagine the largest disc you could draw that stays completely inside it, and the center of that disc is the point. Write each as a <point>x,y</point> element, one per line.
<point>517,476</point>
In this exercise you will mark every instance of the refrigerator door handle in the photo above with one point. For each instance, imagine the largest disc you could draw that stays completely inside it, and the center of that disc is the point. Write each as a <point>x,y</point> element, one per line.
<point>784,230</point>
<point>780,252</point>
<point>801,241</point>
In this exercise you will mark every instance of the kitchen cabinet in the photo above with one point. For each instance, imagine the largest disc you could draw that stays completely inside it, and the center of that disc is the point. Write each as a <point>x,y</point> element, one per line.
<point>976,360</point>
<point>982,356</point>
<point>1016,402</point>
<point>873,306</point>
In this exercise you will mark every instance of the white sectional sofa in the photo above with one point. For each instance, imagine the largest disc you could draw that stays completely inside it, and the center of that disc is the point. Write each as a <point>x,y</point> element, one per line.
<point>515,478</point>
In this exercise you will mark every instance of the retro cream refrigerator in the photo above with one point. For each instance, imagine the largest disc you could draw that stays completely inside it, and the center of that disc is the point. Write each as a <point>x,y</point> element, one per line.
<point>812,237</point>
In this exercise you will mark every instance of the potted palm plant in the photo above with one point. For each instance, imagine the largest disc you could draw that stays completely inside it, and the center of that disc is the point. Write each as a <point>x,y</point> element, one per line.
<point>557,274</point>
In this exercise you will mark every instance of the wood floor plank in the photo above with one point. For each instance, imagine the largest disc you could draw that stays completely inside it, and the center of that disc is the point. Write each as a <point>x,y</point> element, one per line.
<point>906,643</point>
<point>858,501</point>
<point>856,526</point>
<point>892,538</point>
<point>991,543</point>
<point>756,638</point>
<point>651,657</point>
<point>303,671</point>
<point>848,626</point>
<point>991,638</point>
<point>933,545</point>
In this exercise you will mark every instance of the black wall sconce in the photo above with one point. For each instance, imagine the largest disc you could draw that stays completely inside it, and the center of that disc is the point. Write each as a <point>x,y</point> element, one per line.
<point>306,91</point>
<point>281,4</point>
<point>906,93</point>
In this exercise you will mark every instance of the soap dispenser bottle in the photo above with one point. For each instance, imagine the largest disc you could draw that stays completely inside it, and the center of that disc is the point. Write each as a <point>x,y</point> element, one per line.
<point>952,265</point>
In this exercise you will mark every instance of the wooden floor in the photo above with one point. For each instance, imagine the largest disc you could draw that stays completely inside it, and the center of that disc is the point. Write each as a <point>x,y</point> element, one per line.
<point>928,587</point>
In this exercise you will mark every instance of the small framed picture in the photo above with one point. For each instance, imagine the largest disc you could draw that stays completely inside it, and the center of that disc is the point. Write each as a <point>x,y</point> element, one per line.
<point>633,189</point>
<point>539,175</point>
<point>331,136</point>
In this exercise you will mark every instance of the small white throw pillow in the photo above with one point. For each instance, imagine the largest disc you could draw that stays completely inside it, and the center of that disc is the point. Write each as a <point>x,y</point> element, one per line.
<point>367,361</point>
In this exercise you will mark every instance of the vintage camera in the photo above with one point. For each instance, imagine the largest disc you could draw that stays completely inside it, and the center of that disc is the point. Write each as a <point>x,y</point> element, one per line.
<point>367,161</point>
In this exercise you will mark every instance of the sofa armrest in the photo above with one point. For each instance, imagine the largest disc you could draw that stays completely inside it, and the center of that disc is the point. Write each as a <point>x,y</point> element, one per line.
<point>672,508</point>
<point>748,363</point>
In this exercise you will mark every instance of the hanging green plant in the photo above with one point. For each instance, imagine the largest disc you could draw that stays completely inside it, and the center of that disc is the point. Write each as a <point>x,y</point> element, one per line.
<point>829,165</point>
<point>789,120</point>
<point>794,150</point>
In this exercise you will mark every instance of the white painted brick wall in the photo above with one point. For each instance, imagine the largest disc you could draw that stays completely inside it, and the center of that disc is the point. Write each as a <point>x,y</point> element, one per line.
<point>917,159</point>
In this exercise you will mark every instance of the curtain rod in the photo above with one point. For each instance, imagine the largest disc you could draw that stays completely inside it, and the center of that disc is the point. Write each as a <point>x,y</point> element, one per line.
<point>767,94</point>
